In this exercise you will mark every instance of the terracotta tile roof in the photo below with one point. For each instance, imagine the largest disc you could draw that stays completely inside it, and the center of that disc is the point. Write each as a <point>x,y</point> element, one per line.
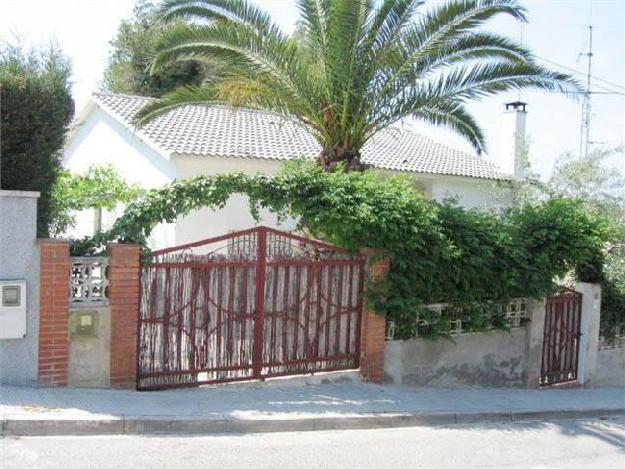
<point>214,130</point>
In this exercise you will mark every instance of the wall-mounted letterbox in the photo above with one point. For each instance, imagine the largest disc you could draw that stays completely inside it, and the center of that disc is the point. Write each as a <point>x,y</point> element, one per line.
<point>83,324</point>
<point>12,309</point>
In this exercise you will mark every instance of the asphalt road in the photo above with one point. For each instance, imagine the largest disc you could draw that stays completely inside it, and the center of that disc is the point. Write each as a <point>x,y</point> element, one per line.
<point>569,444</point>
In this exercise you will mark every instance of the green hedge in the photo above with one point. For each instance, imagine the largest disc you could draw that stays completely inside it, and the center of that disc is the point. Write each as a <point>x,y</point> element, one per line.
<point>35,109</point>
<point>439,251</point>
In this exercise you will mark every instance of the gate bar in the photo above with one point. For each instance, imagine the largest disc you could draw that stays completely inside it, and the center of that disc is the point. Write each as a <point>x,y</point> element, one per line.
<point>260,301</point>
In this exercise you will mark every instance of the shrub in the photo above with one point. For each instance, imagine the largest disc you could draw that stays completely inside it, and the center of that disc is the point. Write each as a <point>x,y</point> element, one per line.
<point>613,293</point>
<point>100,187</point>
<point>439,251</point>
<point>36,108</point>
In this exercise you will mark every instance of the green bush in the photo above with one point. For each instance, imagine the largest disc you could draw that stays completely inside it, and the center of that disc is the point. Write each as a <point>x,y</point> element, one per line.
<point>613,293</point>
<point>439,251</point>
<point>36,108</point>
<point>600,184</point>
<point>100,187</point>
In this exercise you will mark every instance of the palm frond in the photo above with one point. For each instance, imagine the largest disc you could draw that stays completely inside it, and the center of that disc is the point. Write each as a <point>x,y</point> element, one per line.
<point>390,19</point>
<point>185,95</point>
<point>484,79</point>
<point>455,117</point>
<point>236,46</point>
<point>445,23</point>
<point>314,20</point>
<point>240,11</point>
<point>354,66</point>
<point>473,46</point>
<point>451,18</point>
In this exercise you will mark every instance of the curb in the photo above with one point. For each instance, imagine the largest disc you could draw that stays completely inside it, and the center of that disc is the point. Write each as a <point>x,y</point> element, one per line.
<point>159,425</point>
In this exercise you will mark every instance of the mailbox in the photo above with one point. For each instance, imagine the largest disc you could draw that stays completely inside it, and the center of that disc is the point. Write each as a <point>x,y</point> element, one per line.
<point>12,309</point>
<point>83,324</point>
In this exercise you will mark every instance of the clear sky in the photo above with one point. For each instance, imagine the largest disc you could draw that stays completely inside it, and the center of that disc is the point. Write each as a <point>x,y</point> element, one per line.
<point>557,32</point>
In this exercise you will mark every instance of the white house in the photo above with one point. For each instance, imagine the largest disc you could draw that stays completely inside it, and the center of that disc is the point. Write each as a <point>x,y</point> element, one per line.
<point>210,139</point>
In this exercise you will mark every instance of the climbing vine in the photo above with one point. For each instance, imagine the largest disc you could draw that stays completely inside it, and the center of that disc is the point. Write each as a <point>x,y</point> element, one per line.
<point>100,187</point>
<point>439,251</point>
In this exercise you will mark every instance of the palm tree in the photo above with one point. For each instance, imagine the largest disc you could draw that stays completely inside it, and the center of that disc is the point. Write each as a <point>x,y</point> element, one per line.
<point>353,67</point>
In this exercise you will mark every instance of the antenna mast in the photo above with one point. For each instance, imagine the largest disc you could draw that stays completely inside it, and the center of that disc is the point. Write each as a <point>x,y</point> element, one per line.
<point>584,142</point>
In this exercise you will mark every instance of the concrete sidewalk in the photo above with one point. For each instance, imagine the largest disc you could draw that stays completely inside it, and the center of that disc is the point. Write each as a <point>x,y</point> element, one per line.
<point>283,406</point>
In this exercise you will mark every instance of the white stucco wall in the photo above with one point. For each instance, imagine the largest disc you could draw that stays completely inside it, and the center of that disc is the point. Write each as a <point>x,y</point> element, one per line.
<point>102,140</point>
<point>469,192</point>
<point>205,223</point>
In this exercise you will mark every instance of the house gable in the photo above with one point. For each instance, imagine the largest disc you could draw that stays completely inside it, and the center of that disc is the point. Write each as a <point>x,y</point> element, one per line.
<point>100,139</point>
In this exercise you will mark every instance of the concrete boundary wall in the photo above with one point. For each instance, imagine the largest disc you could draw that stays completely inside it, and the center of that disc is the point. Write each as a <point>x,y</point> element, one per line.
<point>589,340</point>
<point>504,358</point>
<point>497,358</point>
<point>90,355</point>
<point>47,354</point>
<point>610,367</point>
<point>487,359</point>
<point>19,260</point>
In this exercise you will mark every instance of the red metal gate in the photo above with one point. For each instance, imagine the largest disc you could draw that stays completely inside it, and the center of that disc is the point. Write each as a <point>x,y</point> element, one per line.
<point>252,304</point>
<point>561,338</point>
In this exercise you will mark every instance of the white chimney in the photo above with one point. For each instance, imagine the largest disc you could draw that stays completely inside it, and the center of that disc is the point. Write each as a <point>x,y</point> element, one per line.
<point>513,153</point>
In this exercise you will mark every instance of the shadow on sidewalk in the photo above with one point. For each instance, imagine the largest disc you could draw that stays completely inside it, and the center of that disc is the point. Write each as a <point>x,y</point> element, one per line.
<point>471,408</point>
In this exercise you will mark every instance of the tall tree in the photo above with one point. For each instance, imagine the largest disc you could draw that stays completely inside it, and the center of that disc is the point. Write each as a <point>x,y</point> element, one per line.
<point>600,182</point>
<point>133,46</point>
<point>594,179</point>
<point>36,108</point>
<point>354,67</point>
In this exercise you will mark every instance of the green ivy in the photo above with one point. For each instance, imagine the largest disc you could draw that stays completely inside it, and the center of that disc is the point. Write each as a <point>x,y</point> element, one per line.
<point>439,252</point>
<point>100,187</point>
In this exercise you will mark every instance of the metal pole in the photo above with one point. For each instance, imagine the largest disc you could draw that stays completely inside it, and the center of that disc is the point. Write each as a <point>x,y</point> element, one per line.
<point>584,142</point>
<point>588,104</point>
<point>259,316</point>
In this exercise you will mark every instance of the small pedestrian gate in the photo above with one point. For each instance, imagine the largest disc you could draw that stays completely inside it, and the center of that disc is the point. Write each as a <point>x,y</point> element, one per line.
<point>252,304</point>
<point>561,338</point>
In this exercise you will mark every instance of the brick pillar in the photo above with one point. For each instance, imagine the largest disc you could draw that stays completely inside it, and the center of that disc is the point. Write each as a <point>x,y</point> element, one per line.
<point>124,284</point>
<point>53,312</point>
<point>373,325</point>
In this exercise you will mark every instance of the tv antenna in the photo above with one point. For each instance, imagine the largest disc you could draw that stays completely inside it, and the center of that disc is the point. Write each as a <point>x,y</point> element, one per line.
<point>584,140</point>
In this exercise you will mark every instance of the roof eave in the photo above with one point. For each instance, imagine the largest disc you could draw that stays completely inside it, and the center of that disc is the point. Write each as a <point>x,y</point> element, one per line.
<point>502,178</point>
<point>133,130</point>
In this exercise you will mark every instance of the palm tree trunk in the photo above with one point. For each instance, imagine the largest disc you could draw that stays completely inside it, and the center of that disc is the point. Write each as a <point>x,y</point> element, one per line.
<point>332,156</point>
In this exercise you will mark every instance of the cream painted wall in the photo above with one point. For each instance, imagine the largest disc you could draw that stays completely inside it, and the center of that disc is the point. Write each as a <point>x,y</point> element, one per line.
<point>469,192</point>
<point>205,223</point>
